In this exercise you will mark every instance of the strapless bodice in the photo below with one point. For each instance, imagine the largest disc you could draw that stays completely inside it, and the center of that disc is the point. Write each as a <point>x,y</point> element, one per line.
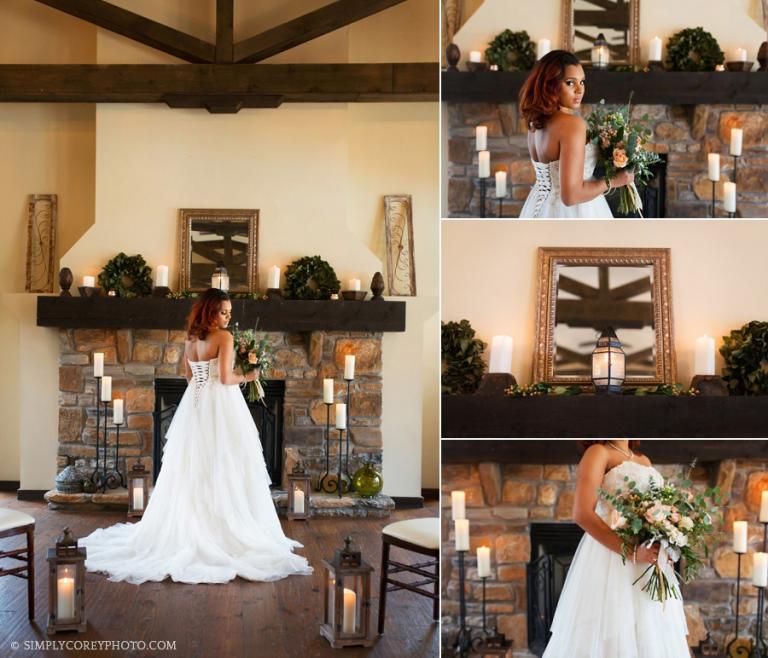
<point>548,177</point>
<point>613,481</point>
<point>202,373</point>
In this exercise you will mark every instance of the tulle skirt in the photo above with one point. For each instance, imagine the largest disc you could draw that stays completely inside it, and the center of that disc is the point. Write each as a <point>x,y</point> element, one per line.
<point>601,614</point>
<point>210,517</point>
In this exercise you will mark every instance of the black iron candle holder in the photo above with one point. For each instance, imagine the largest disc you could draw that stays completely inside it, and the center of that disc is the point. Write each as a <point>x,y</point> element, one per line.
<point>349,418</point>
<point>735,639</point>
<point>483,193</point>
<point>118,477</point>
<point>735,168</point>
<point>340,481</point>
<point>501,207</point>
<point>463,642</point>
<point>760,649</point>
<point>714,185</point>
<point>485,629</point>
<point>95,475</point>
<point>765,536</point>
<point>326,483</point>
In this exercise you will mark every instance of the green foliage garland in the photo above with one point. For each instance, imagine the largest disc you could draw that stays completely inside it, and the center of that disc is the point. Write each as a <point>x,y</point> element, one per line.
<point>310,277</point>
<point>693,49</point>
<point>128,276</point>
<point>511,51</point>
<point>536,390</point>
<point>462,358</point>
<point>746,359</point>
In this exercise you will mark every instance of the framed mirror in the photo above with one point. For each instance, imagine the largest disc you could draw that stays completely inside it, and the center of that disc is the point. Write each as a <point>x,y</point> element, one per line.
<point>212,237</point>
<point>618,20</point>
<point>584,290</point>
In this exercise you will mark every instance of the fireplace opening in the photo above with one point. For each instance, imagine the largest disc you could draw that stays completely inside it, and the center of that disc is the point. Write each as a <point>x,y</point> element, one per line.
<point>268,418</point>
<point>552,548</point>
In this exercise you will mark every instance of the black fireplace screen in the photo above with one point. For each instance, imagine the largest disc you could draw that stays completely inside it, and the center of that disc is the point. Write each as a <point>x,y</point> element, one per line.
<point>653,195</point>
<point>268,418</point>
<point>552,549</point>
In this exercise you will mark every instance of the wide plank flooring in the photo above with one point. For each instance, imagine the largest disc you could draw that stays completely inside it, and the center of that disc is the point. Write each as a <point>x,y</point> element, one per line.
<point>239,619</point>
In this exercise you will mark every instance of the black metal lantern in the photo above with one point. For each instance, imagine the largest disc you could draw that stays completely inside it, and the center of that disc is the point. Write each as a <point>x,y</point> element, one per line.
<point>608,363</point>
<point>347,617</point>
<point>299,485</point>
<point>220,278</point>
<point>138,489</point>
<point>66,585</point>
<point>601,53</point>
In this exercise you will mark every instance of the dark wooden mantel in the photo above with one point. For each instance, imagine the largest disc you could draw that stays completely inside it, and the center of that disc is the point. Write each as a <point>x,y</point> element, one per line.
<point>272,315</point>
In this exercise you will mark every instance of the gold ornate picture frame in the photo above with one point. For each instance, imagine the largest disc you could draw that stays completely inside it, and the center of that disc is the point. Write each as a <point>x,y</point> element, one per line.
<point>569,25</point>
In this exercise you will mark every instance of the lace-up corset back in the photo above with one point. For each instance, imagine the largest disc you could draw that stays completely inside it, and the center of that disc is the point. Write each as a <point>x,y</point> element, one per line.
<point>202,372</point>
<point>548,177</point>
<point>613,481</point>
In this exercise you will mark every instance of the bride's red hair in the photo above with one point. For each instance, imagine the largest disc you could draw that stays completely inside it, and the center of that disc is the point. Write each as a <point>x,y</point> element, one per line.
<point>634,445</point>
<point>540,95</point>
<point>202,318</point>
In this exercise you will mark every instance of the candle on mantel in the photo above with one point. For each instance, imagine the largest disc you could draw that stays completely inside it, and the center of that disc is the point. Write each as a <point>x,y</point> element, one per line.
<point>764,507</point>
<point>106,388</point>
<point>341,416</point>
<point>481,138</point>
<point>501,354</point>
<point>475,56</point>
<point>274,278</point>
<point>138,495</point>
<point>543,47</point>
<point>740,55</point>
<point>118,412</point>
<point>501,184</point>
<point>484,164</point>
<point>458,505</point>
<point>65,593</point>
<point>353,284</point>
<point>739,536</point>
<point>98,364</point>
<point>328,391</point>
<point>704,358</point>
<point>349,621</point>
<point>737,140</point>
<point>89,282</point>
<point>349,366</point>
<point>462,534</point>
<point>760,570</point>
<point>713,165</point>
<point>483,561</point>
<point>161,276</point>
<point>298,501</point>
<point>655,51</point>
<point>729,197</point>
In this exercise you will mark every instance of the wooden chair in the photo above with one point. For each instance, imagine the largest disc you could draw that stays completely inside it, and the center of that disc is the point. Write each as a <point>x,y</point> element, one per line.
<point>13,522</point>
<point>420,536</point>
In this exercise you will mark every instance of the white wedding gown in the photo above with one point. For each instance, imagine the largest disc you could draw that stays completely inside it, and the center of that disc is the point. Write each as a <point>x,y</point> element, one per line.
<point>545,201</point>
<point>601,614</point>
<point>210,517</point>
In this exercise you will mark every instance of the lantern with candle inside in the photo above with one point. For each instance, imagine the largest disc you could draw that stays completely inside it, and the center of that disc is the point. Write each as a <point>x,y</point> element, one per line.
<point>601,53</point>
<point>705,381</point>
<point>299,484</point>
<point>346,619</point>
<point>499,376</point>
<point>220,278</point>
<point>66,585</point>
<point>138,489</point>
<point>608,363</point>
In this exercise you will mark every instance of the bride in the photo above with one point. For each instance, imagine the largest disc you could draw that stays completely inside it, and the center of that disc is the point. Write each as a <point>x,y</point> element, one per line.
<point>601,614</point>
<point>557,142</point>
<point>211,517</point>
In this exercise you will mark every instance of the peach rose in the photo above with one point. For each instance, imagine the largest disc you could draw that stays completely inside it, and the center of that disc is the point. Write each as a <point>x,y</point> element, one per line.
<point>620,158</point>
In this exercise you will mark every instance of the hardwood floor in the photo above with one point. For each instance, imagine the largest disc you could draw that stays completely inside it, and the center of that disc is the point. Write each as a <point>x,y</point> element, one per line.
<point>240,619</point>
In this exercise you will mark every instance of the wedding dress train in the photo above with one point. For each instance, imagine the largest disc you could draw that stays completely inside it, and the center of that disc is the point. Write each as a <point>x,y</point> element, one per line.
<point>545,200</point>
<point>601,614</point>
<point>210,517</point>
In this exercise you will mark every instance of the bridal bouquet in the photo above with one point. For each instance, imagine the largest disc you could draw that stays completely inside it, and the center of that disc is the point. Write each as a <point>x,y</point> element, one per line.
<point>621,144</point>
<point>671,515</point>
<point>252,353</point>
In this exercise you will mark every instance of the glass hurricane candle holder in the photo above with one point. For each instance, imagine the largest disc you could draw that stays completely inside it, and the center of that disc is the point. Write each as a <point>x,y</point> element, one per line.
<point>138,489</point>
<point>66,585</point>
<point>608,363</point>
<point>299,485</point>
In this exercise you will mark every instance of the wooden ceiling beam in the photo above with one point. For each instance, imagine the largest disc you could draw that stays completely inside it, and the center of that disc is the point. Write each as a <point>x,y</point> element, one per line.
<point>225,25</point>
<point>307,27</point>
<point>137,27</point>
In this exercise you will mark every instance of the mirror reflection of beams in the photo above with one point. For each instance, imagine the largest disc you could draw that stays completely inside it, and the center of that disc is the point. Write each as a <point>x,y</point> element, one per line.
<point>591,298</point>
<point>608,17</point>
<point>215,242</point>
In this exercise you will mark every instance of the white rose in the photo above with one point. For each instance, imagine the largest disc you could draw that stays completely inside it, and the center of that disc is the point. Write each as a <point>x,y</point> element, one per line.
<point>686,523</point>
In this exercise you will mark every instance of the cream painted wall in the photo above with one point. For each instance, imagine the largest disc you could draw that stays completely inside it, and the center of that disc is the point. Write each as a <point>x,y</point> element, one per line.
<point>718,276</point>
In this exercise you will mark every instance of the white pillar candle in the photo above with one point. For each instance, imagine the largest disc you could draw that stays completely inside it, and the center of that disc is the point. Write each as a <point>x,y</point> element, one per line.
<point>118,412</point>
<point>328,391</point>
<point>458,505</point>
<point>501,354</point>
<point>98,364</point>
<point>349,366</point>
<point>704,358</point>
<point>739,536</point>
<point>161,276</point>
<point>543,47</point>
<point>349,620</point>
<point>483,561</point>
<point>475,56</point>
<point>484,164</point>
<point>65,593</point>
<point>137,492</point>
<point>729,197</point>
<point>501,184</point>
<point>655,50</point>
<point>341,416</point>
<point>462,534</point>
<point>89,282</point>
<point>106,388</point>
<point>760,570</point>
<point>353,284</point>
<point>740,55</point>
<point>481,138</point>
<point>274,277</point>
<point>298,501</point>
<point>713,163</point>
<point>737,139</point>
<point>764,507</point>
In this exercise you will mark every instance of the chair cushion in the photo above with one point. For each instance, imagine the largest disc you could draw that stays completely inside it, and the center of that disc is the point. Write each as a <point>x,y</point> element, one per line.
<point>422,532</point>
<point>10,518</point>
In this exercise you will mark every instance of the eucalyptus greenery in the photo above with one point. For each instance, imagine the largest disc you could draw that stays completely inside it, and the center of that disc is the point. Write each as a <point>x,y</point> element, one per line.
<point>745,352</point>
<point>310,277</point>
<point>693,49</point>
<point>541,388</point>
<point>128,276</point>
<point>511,51</point>
<point>462,358</point>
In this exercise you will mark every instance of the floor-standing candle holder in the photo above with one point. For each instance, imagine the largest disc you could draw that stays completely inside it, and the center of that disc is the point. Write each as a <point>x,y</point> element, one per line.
<point>485,628</point>
<point>463,643</point>
<point>340,482</point>
<point>714,186</point>
<point>116,478</point>
<point>735,639</point>
<point>501,207</point>
<point>483,193</point>
<point>765,536</point>
<point>349,419</point>
<point>760,647</point>
<point>735,168</point>
<point>103,474</point>
<point>326,483</point>
<point>95,474</point>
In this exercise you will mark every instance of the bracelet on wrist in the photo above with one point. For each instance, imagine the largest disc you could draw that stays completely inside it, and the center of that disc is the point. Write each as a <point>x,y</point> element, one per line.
<point>610,186</point>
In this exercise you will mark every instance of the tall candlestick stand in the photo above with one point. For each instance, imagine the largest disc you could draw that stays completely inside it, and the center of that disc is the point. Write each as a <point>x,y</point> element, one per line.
<point>501,213</point>
<point>349,419</point>
<point>340,482</point>
<point>325,483</point>
<point>485,629</point>
<point>735,167</point>
<point>463,643</point>
<point>103,474</point>
<point>118,473</point>
<point>95,474</point>
<point>760,648</point>
<point>714,184</point>
<point>765,536</point>
<point>483,183</point>
<point>738,600</point>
